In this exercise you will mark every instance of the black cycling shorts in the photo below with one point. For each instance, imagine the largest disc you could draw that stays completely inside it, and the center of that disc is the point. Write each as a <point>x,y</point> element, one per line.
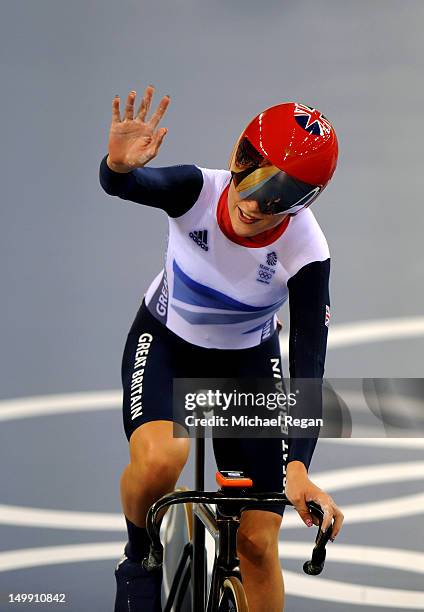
<point>154,355</point>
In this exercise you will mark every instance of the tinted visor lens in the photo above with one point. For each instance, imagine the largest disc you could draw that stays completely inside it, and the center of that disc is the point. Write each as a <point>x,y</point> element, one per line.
<point>245,158</point>
<point>274,190</point>
<point>276,193</point>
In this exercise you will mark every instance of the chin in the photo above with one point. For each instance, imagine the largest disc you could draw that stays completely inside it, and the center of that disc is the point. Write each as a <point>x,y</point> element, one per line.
<point>242,229</point>
<point>245,232</point>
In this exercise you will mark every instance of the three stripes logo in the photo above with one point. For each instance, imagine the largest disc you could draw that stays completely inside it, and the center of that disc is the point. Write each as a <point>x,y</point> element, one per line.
<point>200,237</point>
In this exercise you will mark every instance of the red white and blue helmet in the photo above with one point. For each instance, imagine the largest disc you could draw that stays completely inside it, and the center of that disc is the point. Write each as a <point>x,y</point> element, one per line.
<point>284,158</point>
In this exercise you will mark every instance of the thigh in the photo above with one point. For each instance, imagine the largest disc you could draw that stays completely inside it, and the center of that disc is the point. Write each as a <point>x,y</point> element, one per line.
<point>262,459</point>
<point>148,368</point>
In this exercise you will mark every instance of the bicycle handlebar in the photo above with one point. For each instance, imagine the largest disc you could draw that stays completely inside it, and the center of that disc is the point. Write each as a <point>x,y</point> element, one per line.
<point>316,563</point>
<point>243,499</point>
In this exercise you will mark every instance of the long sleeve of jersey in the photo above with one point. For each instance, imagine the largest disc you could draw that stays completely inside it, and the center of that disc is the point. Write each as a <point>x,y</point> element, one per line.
<point>309,303</point>
<point>173,189</point>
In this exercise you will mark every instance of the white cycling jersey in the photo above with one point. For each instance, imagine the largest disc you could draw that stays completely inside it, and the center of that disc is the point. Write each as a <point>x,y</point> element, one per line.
<point>215,293</point>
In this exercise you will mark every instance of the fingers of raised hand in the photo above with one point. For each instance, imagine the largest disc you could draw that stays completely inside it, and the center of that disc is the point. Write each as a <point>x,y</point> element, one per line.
<point>129,106</point>
<point>159,136</point>
<point>159,112</point>
<point>145,103</point>
<point>143,108</point>
<point>116,115</point>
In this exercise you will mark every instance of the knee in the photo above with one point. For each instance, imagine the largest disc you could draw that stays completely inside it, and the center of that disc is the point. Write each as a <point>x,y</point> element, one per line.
<point>256,545</point>
<point>157,463</point>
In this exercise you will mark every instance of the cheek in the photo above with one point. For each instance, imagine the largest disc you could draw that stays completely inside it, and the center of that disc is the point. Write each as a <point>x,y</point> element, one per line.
<point>233,213</point>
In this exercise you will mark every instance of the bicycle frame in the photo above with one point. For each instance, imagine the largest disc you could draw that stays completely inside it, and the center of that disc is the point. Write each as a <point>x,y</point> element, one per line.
<point>222,525</point>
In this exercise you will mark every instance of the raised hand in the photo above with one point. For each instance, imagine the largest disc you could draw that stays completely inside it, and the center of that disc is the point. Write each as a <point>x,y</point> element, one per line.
<point>133,140</point>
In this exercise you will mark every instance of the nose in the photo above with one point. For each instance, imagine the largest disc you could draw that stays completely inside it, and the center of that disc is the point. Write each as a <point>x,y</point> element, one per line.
<point>252,207</point>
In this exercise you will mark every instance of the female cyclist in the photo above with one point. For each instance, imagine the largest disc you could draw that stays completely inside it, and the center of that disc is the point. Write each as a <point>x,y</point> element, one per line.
<point>241,242</point>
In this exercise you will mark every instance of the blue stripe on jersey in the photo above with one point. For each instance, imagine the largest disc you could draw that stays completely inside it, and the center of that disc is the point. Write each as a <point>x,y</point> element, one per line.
<point>191,292</point>
<point>217,318</point>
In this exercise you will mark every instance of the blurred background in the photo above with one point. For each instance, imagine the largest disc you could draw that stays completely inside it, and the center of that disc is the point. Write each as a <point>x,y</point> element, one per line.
<point>75,264</point>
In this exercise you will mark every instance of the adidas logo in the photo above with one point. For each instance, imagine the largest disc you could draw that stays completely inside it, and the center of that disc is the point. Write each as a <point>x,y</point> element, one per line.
<point>200,237</point>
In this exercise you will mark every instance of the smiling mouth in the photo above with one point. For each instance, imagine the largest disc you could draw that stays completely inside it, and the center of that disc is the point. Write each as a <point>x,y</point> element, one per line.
<point>245,218</point>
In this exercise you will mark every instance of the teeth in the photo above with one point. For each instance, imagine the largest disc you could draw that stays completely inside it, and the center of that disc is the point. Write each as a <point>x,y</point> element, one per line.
<point>246,215</point>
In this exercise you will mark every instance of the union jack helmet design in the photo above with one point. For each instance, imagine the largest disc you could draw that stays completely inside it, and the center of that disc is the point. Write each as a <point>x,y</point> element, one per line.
<point>311,120</point>
<point>284,158</point>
